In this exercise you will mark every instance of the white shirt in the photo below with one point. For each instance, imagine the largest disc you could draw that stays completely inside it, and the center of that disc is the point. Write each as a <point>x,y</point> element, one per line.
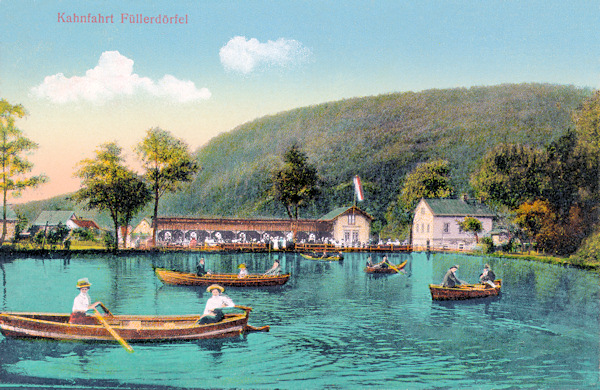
<point>216,302</point>
<point>81,303</point>
<point>243,273</point>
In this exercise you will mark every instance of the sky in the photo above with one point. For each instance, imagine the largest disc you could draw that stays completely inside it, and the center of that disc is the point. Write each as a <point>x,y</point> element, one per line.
<point>97,71</point>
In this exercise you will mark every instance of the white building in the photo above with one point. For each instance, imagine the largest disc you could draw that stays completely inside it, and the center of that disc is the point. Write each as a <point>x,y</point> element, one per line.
<point>436,223</point>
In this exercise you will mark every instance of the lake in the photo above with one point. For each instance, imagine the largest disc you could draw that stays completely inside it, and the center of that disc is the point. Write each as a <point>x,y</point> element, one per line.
<point>332,325</point>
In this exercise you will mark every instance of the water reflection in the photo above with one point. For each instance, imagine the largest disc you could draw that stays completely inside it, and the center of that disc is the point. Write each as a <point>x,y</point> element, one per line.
<point>329,323</point>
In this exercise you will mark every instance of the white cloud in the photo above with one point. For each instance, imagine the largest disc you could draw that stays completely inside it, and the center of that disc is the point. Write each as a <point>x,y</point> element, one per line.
<point>245,55</point>
<point>113,77</point>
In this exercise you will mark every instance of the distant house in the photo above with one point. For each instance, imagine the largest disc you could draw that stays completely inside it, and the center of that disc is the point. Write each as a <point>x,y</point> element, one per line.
<point>52,218</point>
<point>142,232</point>
<point>351,225</point>
<point>11,222</point>
<point>436,223</point>
<point>86,224</point>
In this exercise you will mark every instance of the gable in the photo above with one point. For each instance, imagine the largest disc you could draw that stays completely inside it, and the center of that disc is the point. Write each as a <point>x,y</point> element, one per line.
<point>343,210</point>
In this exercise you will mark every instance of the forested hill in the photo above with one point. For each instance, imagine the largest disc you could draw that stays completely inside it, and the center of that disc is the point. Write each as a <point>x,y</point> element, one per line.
<point>379,138</point>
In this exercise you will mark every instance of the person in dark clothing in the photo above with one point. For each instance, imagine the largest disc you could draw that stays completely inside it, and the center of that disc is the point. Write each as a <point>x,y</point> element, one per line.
<point>487,276</point>
<point>200,269</point>
<point>450,279</point>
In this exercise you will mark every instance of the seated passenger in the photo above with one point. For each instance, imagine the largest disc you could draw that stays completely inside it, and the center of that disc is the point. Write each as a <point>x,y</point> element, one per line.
<point>243,271</point>
<point>212,310</point>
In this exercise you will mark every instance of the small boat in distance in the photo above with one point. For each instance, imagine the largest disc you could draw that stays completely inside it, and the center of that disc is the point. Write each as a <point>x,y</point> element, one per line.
<point>465,291</point>
<point>132,328</point>
<point>389,270</point>
<point>321,258</point>
<point>232,280</point>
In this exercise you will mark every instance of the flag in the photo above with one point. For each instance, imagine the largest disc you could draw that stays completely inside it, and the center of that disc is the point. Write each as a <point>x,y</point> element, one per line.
<point>358,189</point>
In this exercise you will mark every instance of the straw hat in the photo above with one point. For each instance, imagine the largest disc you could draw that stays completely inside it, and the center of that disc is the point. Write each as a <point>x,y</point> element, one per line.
<point>83,282</point>
<point>454,266</point>
<point>242,265</point>
<point>215,286</point>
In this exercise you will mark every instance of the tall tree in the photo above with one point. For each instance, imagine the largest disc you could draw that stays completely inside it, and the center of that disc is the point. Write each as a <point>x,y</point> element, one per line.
<point>15,167</point>
<point>296,183</point>
<point>510,175</point>
<point>107,185</point>
<point>428,180</point>
<point>168,164</point>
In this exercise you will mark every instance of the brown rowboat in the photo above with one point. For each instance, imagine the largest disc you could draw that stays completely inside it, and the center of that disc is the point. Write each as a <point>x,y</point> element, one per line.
<point>191,279</point>
<point>388,270</point>
<point>465,291</point>
<point>133,328</point>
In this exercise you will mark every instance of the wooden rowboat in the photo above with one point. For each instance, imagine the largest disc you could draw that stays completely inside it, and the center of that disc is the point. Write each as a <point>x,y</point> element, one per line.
<point>465,291</point>
<point>191,279</point>
<point>328,258</point>
<point>388,270</point>
<point>133,328</point>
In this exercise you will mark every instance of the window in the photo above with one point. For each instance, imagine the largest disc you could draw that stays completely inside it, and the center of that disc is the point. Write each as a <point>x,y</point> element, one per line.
<point>347,237</point>
<point>422,228</point>
<point>416,228</point>
<point>354,236</point>
<point>351,219</point>
<point>446,227</point>
<point>427,228</point>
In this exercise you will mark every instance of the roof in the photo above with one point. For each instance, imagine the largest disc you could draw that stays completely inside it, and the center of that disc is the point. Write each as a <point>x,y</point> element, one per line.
<point>86,223</point>
<point>10,213</point>
<point>341,210</point>
<point>52,218</point>
<point>458,207</point>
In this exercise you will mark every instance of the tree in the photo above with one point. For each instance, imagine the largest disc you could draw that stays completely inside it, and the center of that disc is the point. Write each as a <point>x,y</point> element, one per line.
<point>107,185</point>
<point>570,176</point>
<point>587,121</point>
<point>296,183</point>
<point>473,225</point>
<point>510,175</point>
<point>532,217</point>
<point>14,167</point>
<point>168,164</point>
<point>428,180</point>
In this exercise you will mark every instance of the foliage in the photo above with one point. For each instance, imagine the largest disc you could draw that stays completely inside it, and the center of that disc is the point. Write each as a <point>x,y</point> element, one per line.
<point>587,120</point>
<point>57,234</point>
<point>14,167</point>
<point>295,184</point>
<point>570,176</point>
<point>168,164</point>
<point>108,185</point>
<point>472,225</point>
<point>428,180</point>
<point>83,234</point>
<point>532,217</point>
<point>488,244</point>
<point>110,241</point>
<point>509,175</point>
<point>21,225</point>
<point>380,138</point>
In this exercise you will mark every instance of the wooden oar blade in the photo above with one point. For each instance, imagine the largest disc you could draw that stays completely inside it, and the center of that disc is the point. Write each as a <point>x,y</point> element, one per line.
<point>112,332</point>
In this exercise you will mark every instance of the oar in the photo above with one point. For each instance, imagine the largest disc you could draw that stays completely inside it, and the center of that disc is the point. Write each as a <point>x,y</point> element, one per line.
<point>112,332</point>
<point>106,309</point>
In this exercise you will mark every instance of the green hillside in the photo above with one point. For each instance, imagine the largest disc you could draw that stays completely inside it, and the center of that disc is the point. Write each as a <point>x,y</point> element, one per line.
<point>379,138</point>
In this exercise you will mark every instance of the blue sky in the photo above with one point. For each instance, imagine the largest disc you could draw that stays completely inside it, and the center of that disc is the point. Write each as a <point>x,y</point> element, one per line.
<point>84,84</point>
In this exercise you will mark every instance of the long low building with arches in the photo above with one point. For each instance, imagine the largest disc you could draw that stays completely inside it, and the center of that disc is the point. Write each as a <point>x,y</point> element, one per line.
<point>345,226</point>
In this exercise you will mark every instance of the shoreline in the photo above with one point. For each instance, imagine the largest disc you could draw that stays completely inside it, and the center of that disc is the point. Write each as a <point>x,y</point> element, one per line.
<point>61,253</point>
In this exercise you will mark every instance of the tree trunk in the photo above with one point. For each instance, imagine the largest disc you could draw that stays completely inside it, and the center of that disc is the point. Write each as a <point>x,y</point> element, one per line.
<point>155,215</point>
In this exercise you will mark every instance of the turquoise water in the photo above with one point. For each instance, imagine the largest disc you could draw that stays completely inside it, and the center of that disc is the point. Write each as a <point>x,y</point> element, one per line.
<point>332,326</point>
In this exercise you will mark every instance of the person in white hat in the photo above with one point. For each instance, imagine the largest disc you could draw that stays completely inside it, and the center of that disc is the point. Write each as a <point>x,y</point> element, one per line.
<point>81,304</point>
<point>212,311</point>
